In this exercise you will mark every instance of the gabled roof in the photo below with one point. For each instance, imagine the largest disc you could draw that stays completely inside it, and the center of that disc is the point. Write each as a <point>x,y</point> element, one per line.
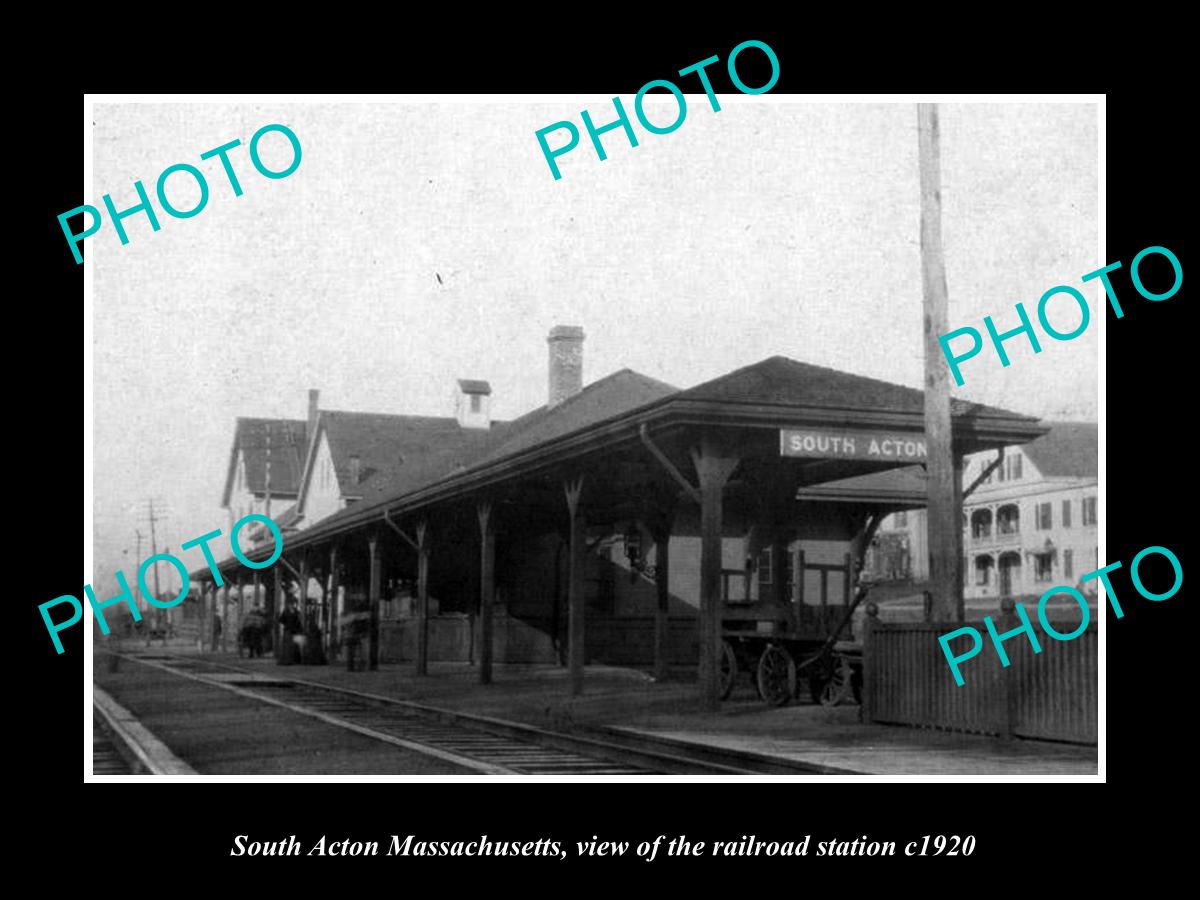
<point>784,381</point>
<point>613,412</point>
<point>1069,450</point>
<point>612,395</point>
<point>287,443</point>
<point>395,451</point>
<point>388,444</point>
<point>439,452</point>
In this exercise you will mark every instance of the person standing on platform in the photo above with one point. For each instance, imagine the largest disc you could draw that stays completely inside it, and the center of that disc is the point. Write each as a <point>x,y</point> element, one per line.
<point>354,627</point>
<point>289,621</point>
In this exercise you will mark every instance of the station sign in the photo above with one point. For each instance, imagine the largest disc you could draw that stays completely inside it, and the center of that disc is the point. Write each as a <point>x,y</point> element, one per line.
<point>824,443</point>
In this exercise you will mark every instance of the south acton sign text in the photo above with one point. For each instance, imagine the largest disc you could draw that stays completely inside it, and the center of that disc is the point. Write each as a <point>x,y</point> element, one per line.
<point>825,444</point>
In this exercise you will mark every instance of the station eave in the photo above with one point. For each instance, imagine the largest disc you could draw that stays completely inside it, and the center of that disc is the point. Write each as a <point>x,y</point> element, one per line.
<point>975,428</point>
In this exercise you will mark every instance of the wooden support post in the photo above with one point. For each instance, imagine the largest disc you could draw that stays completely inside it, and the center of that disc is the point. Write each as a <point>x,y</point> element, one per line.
<point>848,565</point>
<point>713,468</point>
<point>374,598</point>
<point>302,577</point>
<point>423,598</point>
<point>662,621</point>
<point>332,613</point>
<point>271,610</point>
<point>214,641</point>
<point>487,589</point>
<point>225,624</point>
<point>279,604</point>
<point>945,496</point>
<point>575,600</point>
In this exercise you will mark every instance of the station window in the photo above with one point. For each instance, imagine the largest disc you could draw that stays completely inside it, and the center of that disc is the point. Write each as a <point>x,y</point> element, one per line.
<point>1089,511</point>
<point>764,567</point>
<point>1043,518</point>
<point>1066,514</point>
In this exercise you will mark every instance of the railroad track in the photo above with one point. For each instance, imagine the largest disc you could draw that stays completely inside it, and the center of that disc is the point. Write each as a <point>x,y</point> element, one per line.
<point>480,744</point>
<point>106,760</point>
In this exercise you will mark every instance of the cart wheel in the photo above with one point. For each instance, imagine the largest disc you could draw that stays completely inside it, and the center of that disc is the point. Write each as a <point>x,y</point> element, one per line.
<point>729,669</point>
<point>776,675</point>
<point>834,691</point>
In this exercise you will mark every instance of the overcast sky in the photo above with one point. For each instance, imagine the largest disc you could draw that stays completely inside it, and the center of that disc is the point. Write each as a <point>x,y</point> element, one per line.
<point>767,228</point>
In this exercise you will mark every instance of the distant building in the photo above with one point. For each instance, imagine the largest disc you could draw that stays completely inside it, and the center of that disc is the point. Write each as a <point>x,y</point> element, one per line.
<point>266,459</point>
<point>1030,525</point>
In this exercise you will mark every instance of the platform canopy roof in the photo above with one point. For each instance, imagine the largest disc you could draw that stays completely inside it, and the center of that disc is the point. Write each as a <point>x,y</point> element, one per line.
<point>619,431</point>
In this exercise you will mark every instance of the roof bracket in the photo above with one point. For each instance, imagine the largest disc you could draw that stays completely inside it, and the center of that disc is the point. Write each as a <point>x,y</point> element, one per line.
<point>400,531</point>
<point>691,490</point>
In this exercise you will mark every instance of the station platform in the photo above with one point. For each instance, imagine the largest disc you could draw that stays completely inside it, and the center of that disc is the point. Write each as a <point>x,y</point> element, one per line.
<point>829,739</point>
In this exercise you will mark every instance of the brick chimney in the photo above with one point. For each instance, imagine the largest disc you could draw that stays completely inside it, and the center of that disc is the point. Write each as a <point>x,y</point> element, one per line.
<point>566,362</point>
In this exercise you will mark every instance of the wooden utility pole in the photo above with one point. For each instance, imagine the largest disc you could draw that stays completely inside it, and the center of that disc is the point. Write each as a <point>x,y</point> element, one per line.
<point>158,616</point>
<point>944,503</point>
<point>153,550</point>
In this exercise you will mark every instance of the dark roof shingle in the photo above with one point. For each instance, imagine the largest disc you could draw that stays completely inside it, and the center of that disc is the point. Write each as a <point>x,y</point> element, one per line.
<point>287,443</point>
<point>397,450</point>
<point>613,395</point>
<point>785,381</point>
<point>1070,449</point>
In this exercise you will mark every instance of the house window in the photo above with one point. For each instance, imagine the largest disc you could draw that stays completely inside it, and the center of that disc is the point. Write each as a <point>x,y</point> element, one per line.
<point>1008,519</point>
<point>981,524</point>
<point>1089,510</point>
<point>474,403</point>
<point>1014,466</point>
<point>983,570</point>
<point>1043,567</point>
<point>1043,517</point>
<point>1068,564</point>
<point>1066,514</point>
<point>902,520</point>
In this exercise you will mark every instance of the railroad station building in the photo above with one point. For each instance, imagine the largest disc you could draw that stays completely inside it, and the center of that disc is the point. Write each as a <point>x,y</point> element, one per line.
<point>626,521</point>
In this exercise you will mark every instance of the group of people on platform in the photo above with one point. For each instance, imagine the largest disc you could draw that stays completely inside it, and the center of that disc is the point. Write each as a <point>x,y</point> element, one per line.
<point>298,642</point>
